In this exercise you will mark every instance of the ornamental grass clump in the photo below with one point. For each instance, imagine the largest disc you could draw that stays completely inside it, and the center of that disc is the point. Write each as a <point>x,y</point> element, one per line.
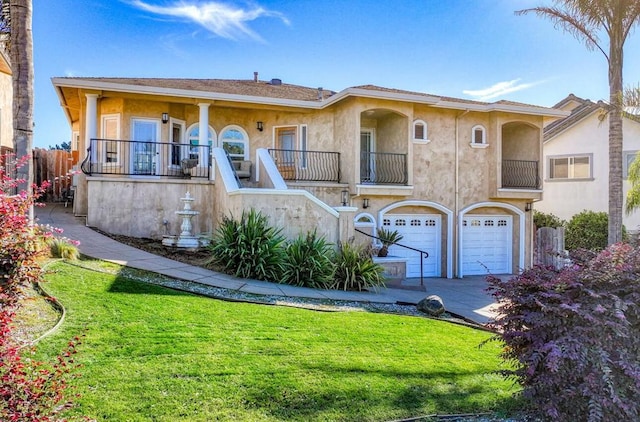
<point>61,247</point>
<point>573,336</point>
<point>308,262</point>
<point>248,247</point>
<point>355,270</point>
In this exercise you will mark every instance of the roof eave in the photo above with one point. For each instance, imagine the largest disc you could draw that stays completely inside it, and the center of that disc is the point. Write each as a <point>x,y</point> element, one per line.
<point>183,93</point>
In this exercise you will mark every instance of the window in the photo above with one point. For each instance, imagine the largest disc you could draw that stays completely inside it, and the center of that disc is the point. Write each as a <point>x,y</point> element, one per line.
<point>479,137</point>
<point>629,158</point>
<point>193,140</point>
<point>235,141</point>
<point>572,167</point>
<point>420,131</point>
<point>110,134</point>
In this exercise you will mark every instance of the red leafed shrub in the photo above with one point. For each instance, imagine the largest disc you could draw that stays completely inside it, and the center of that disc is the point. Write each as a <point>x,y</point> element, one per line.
<point>573,336</point>
<point>19,246</point>
<point>29,390</point>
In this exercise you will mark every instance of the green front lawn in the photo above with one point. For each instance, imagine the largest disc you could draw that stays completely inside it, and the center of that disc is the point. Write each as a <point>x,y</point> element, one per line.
<point>151,353</point>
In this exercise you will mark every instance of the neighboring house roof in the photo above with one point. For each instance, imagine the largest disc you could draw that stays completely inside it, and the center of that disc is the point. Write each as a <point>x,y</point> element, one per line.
<point>275,92</point>
<point>580,111</point>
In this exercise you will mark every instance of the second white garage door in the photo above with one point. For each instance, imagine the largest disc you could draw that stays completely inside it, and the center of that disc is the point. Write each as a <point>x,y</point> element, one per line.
<point>486,244</point>
<point>420,231</point>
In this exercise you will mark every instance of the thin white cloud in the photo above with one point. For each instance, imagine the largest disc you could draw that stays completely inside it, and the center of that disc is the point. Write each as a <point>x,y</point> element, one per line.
<point>224,20</point>
<point>499,89</point>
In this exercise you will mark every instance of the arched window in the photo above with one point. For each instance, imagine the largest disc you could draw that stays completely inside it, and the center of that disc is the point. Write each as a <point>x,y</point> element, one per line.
<point>367,223</point>
<point>235,141</point>
<point>420,131</point>
<point>479,137</point>
<point>197,151</point>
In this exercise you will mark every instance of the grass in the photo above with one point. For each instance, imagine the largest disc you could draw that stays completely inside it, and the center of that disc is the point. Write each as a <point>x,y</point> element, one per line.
<point>153,354</point>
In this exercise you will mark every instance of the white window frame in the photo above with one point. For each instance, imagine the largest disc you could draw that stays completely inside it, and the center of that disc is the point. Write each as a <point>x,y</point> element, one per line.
<point>103,135</point>
<point>482,144</point>
<point>626,163</point>
<point>212,141</point>
<point>425,133</point>
<point>133,154</point>
<point>245,140</point>
<point>571,168</point>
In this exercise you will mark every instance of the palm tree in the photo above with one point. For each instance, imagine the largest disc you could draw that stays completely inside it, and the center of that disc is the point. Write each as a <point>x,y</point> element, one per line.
<point>587,20</point>
<point>21,53</point>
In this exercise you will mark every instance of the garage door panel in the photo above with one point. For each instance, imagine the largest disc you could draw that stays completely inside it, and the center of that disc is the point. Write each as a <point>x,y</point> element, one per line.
<point>419,231</point>
<point>487,245</point>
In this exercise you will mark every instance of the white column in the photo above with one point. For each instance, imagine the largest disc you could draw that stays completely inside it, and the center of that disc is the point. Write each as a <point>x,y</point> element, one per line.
<point>91,122</point>
<point>203,132</point>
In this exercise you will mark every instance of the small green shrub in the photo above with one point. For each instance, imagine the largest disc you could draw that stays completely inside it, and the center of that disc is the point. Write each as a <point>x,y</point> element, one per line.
<point>308,262</point>
<point>589,230</point>
<point>63,248</point>
<point>355,270</point>
<point>541,219</point>
<point>248,248</point>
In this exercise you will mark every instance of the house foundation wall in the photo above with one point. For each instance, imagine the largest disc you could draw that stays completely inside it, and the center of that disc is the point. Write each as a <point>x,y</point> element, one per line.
<point>140,208</point>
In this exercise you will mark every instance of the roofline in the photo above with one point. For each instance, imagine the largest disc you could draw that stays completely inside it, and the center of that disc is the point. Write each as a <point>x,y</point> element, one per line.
<point>435,101</point>
<point>555,135</point>
<point>63,104</point>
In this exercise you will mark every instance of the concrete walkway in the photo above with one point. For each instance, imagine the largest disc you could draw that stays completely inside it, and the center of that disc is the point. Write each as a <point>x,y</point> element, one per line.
<point>465,297</point>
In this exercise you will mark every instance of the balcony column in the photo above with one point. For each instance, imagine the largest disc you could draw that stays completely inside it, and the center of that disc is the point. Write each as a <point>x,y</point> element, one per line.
<point>91,129</point>
<point>203,133</point>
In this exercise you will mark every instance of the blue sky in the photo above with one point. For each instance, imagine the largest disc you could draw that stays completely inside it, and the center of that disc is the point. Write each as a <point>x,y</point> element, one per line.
<point>474,49</point>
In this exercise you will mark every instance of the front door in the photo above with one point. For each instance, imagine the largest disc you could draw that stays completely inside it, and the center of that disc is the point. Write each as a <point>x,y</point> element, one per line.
<point>144,149</point>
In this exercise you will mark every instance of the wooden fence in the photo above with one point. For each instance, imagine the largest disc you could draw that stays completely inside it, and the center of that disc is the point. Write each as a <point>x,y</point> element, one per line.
<point>56,167</point>
<point>550,247</point>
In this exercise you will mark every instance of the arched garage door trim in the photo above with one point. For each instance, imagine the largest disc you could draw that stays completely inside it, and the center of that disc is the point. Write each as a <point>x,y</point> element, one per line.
<point>509,207</point>
<point>440,208</point>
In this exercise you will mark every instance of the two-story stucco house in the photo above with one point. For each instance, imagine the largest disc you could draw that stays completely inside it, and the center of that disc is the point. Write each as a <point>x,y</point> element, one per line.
<point>576,160</point>
<point>6,105</point>
<point>457,178</point>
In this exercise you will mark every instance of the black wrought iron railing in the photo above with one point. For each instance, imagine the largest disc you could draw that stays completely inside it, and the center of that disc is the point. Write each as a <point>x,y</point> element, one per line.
<point>308,166</point>
<point>383,168</point>
<point>520,174</point>
<point>423,254</point>
<point>138,158</point>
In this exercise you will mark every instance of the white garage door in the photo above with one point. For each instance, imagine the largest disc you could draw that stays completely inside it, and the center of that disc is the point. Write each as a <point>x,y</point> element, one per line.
<point>486,244</point>
<point>420,231</point>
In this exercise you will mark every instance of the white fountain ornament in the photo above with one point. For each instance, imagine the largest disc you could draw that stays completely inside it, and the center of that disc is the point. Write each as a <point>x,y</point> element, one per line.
<point>186,239</point>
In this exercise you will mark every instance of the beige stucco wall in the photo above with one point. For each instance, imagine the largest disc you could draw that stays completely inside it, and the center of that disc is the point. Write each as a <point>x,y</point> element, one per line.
<point>432,166</point>
<point>138,207</point>
<point>6,110</point>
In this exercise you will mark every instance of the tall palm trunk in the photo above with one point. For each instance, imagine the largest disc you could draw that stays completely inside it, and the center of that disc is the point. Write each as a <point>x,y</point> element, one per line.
<point>22,69</point>
<point>615,137</point>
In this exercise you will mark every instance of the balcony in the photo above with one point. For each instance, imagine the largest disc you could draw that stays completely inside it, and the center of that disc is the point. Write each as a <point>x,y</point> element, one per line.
<point>382,168</point>
<point>138,158</point>
<point>307,166</point>
<point>520,174</point>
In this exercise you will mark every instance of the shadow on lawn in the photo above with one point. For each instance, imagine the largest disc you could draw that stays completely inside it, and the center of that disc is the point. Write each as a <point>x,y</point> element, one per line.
<point>420,393</point>
<point>125,284</point>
